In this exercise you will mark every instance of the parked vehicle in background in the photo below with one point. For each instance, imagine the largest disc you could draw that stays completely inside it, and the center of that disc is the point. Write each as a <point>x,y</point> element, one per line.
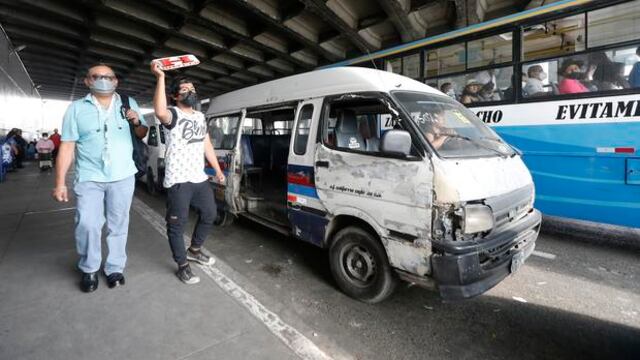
<point>156,149</point>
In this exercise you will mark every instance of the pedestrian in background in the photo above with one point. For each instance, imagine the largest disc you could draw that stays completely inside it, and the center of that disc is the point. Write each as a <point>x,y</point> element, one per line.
<point>97,131</point>
<point>56,142</point>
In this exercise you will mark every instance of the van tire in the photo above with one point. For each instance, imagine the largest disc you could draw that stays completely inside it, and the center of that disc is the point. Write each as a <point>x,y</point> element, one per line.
<point>360,266</point>
<point>151,183</point>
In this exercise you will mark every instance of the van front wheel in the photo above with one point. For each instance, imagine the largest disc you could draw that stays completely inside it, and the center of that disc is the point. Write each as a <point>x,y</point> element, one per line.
<point>360,266</point>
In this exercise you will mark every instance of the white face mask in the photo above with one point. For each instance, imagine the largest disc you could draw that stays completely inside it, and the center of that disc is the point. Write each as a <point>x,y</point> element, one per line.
<point>543,76</point>
<point>451,93</point>
<point>103,86</point>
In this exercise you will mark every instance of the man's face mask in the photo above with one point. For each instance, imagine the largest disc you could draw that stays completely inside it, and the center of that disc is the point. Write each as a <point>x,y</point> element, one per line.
<point>189,98</point>
<point>542,76</point>
<point>103,84</point>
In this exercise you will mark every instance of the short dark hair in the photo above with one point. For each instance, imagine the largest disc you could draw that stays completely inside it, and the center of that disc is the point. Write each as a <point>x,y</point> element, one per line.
<point>174,88</point>
<point>45,134</point>
<point>98,64</point>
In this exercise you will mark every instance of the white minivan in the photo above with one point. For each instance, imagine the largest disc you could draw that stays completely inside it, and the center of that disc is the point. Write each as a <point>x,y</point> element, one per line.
<point>396,179</point>
<point>156,149</point>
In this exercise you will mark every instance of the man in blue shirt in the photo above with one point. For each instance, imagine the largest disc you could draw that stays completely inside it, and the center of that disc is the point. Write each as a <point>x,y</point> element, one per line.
<point>96,132</point>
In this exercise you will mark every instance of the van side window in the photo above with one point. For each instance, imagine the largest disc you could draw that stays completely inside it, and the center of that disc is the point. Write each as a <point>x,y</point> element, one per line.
<point>223,131</point>
<point>355,124</point>
<point>152,140</point>
<point>302,130</point>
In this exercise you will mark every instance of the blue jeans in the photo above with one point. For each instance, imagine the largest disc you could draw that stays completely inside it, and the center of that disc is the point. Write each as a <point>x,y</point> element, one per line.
<point>95,201</point>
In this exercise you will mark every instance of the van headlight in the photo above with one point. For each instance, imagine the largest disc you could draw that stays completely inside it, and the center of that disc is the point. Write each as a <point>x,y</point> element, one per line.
<point>477,218</point>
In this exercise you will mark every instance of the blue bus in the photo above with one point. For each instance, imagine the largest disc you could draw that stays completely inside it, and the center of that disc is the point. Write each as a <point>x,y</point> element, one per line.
<point>561,83</point>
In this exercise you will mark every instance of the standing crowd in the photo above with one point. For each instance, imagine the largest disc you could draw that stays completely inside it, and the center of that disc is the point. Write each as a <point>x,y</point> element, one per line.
<point>15,149</point>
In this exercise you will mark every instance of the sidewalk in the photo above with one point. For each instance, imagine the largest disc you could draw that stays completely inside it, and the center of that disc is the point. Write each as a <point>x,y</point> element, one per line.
<point>44,315</point>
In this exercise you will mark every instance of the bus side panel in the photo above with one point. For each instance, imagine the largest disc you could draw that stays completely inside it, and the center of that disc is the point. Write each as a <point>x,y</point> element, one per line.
<point>578,173</point>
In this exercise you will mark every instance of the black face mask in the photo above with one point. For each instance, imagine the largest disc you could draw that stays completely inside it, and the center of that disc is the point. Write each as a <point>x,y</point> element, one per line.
<point>189,99</point>
<point>576,75</point>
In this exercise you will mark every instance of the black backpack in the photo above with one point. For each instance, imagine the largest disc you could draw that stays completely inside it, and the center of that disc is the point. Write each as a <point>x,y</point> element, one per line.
<point>140,152</point>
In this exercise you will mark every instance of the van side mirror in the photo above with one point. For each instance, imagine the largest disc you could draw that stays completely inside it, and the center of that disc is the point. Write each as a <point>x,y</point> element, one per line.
<point>396,142</point>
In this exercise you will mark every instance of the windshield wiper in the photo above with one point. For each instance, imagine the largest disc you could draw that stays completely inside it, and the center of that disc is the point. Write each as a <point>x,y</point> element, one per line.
<point>457,136</point>
<point>514,151</point>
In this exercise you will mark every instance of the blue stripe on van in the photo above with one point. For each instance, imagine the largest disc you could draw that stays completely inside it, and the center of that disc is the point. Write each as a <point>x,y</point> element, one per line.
<point>302,190</point>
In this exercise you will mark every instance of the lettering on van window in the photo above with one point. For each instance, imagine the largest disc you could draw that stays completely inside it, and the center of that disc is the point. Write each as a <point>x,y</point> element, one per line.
<point>599,110</point>
<point>490,116</point>
<point>359,192</point>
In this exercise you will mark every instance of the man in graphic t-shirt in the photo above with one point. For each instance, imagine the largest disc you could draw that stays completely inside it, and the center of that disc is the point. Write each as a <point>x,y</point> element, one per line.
<point>187,144</point>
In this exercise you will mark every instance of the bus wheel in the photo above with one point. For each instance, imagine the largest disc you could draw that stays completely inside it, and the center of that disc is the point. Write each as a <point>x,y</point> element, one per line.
<point>360,266</point>
<point>151,184</point>
<point>224,218</point>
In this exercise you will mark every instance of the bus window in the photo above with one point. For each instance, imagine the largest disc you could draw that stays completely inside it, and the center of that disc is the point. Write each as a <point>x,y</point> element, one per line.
<point>411,66</point>
<point>479,86</point>
<point>393,65</point>
<point>591,72</point>
<point>491,50</point>
<point>556,37</point>
<point>614,24</point>
<point>445,60</point>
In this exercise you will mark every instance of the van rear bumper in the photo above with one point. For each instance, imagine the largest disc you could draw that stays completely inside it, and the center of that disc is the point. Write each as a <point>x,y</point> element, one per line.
<point>468,270</point>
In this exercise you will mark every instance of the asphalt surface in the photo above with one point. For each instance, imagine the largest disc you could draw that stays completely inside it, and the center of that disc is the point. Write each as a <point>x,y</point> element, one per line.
<point>571,300</point>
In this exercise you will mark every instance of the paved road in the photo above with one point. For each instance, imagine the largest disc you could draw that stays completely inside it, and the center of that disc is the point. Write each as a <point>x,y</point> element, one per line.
<point>572,300</point>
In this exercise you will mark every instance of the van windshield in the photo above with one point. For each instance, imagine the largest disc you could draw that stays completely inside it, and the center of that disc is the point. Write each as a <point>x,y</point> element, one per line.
<point>450,128</point>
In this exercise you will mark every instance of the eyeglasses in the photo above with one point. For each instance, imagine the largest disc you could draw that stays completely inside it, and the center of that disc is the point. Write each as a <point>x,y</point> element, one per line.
<point>96,77</point>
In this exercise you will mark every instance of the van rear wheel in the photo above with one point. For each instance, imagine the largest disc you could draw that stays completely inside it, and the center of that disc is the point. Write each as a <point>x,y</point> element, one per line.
<point>360,266</point>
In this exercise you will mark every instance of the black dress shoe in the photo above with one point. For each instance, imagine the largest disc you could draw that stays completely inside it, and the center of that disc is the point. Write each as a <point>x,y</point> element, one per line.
<point>89,282</point>
<point>115,279</point>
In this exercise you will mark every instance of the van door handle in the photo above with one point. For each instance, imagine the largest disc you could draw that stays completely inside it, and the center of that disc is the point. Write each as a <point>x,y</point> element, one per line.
<point>322,164</point>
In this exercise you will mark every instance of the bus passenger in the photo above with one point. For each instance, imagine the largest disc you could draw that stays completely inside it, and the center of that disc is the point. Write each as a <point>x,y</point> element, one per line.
<point>447,88</point>
<point>610,76</point>
<point>487,92</point>
<point>470,93</point>
<point>534,85</point>
<point>634,75</point>
<point>571,76</point>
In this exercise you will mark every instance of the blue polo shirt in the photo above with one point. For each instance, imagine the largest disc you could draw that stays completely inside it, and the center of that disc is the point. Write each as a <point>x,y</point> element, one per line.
<point>103,139</point>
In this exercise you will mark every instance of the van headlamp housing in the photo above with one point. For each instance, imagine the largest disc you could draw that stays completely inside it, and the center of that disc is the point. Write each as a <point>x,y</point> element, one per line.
<point>477,218</point>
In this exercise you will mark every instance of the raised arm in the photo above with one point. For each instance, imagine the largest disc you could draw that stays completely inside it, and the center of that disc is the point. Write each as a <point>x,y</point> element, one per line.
<point>160,96</point>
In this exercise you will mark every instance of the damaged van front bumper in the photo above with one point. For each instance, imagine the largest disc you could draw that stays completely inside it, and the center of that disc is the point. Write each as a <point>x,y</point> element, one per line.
<point>466,269</point>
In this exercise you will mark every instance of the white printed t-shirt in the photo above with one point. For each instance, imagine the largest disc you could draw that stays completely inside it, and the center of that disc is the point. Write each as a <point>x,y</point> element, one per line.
<point>184,159</point>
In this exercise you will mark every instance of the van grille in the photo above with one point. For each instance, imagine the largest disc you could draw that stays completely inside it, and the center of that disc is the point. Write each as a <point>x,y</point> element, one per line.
<point>510,207</point>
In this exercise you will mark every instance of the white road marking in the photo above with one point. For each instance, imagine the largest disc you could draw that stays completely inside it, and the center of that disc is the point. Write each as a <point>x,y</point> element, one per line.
<point>49,211</point>
<point>544,255</point>
<point>292,338</point>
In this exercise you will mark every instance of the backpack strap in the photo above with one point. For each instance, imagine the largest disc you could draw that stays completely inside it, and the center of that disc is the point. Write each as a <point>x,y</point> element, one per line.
<point>125,105</point>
